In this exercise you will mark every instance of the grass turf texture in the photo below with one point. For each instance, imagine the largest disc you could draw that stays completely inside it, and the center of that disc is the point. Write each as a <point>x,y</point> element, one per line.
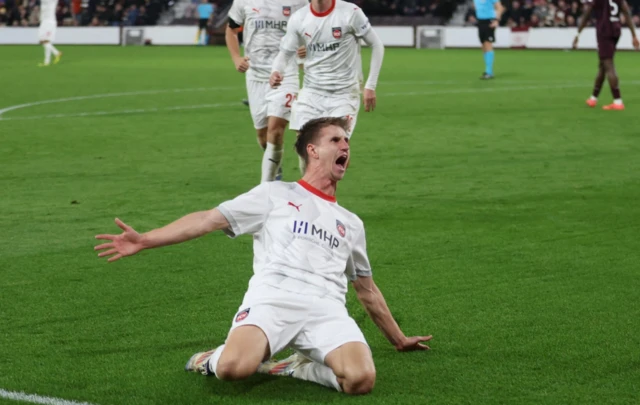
<point>501,217</point>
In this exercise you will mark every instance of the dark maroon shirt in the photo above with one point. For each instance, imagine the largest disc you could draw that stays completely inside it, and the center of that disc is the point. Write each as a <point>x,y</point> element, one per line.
<point>607,14</point>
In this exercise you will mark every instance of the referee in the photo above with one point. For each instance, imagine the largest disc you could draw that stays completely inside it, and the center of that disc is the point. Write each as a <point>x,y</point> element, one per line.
<point>488,13</point>
<point>205,11</point>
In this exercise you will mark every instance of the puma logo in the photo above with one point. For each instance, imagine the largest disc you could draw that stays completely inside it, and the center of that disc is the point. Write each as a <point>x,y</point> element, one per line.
<point>295,206</point>
<point>307,35</point>
<point>256,10</point>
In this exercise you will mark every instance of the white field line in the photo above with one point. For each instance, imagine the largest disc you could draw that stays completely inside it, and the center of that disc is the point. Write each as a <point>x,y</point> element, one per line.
<point>37,399</point>
<point>107,95</point>
<point>117,112</point>
<point>204,106</point>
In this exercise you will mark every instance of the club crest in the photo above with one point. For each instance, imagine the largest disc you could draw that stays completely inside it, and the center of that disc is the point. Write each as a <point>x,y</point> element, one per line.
<point>341,229</point>
<point>242,315</point>
<point>286,11</point>
<point>337,32</point>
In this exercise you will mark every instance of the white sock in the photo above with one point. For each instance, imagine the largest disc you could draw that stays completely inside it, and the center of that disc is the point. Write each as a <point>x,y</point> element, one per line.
<point>617,101</point>
<point>53,49</point>
<point>47,54</point>
<point>302,165</point>
<point>317,373</point>
<point>593,98</point>
<point>212,364</point>
<point>271,161</point>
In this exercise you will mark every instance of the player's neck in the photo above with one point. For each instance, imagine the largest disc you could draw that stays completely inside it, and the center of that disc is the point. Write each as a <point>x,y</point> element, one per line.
<point>322,6</point>
<point>321,183</point>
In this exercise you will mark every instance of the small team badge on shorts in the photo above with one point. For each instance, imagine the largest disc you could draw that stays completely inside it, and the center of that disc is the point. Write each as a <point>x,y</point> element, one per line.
<point>341,229</point>
<point>286,11</point>
<point>242,315</point>
<point>337,32</point>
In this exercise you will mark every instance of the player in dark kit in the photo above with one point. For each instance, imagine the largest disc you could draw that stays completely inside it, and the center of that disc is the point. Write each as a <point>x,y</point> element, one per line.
<point>608,31</point>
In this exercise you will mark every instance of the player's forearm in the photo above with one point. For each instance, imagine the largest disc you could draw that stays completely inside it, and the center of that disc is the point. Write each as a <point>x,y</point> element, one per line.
<point>585,18</point>
<point>282,60</point>
<point>233,45</point>
<point>377,55</point>
<point>189,227</point>
<point>627,16</point>
<point>376,306</point>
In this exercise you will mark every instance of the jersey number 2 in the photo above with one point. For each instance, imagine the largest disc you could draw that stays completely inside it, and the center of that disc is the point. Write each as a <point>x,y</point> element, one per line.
<point>614,11</point>
<point>290,96</point>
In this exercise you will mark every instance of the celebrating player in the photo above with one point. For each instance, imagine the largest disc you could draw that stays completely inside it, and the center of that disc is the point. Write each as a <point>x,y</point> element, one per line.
<point>488,14</point>
<point>47,31</point>
<point>264,24</point>
<point>306,248</point>
<point>608,31</point>
<point>330,30</point>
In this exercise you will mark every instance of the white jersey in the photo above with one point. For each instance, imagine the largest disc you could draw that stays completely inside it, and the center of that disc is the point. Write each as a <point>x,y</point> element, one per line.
<point>333,63</point>
<point>48,10</point>
<point>303,241</point>
<point>265,23</point>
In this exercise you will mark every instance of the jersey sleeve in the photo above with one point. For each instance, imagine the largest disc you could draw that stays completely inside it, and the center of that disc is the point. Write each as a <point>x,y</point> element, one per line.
<point>247,212</point>
<point>236,12</point>
<point>360,23</point>
<point>358,263</point>
<point>291,40</point>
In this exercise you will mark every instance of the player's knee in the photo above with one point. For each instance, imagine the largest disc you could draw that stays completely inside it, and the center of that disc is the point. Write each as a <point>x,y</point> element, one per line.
<point>275,134</point>
<point>231,369</point>
<point>359,382</point>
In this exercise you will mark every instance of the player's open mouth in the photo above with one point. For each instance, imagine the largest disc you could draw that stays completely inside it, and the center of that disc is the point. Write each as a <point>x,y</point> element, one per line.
<point>342,161</point>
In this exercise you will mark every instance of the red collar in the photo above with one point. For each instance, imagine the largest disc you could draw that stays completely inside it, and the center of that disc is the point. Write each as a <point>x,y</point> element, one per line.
<point>326,13</point>
<point>317,192</point>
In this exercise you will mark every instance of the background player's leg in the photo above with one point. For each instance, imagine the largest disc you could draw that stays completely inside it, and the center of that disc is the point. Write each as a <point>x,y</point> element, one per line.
<point>275,145</point>
<point>53,50</point>
<point>353,366</point>
<point>612,77</point>
<point>487,48</point>
<point>262,137</point>
<point>597,85</point>
<point>47,52</point>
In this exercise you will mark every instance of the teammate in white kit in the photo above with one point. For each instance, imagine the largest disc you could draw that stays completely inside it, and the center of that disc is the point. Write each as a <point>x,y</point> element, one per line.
<point>264,24</point>
<point>330,30</point>
<point>47,30</point>
<point>306,249</point>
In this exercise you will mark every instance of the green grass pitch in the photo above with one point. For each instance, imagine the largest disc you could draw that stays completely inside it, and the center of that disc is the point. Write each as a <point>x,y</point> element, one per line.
<point>502,217</point>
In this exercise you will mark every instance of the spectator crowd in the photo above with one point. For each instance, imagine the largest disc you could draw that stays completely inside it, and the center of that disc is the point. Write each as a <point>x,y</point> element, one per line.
<point>546,13</point>
<point>95,13</point>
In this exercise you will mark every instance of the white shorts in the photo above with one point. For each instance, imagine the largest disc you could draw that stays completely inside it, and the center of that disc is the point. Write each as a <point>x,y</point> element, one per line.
<point>47,31</point>
<point>313,326</point>
<point>266,102</point>
<point>310,105</point>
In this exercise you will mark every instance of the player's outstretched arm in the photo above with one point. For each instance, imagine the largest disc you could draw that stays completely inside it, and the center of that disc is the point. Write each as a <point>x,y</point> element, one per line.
<point>130,242</point>
<point>586,16</point>
<point>627,15</point>
<point>374,303</point>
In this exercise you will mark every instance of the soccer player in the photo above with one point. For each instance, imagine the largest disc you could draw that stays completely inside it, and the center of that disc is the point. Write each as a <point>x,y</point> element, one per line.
<point>306,248</point>
<point>264,23</point>
<point>47,31</point>
<point>488,14</point>
<point>330,30</point>
<point>608,31</point>
<point>205,11</point>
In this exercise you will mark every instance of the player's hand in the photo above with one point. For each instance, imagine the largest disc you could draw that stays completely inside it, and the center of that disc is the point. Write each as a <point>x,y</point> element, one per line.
<point>494,24</point>
<point>242,64</point>
<point>369,100</point>
<point>128,243</point>
<point>275,79</point>
<point>414,343</point>
<point>575,43</point>
<point>636,43</point>
<point>302,52</point>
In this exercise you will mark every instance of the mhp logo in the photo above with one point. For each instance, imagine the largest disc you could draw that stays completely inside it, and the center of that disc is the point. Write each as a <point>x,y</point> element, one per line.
<point>305,228</point>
